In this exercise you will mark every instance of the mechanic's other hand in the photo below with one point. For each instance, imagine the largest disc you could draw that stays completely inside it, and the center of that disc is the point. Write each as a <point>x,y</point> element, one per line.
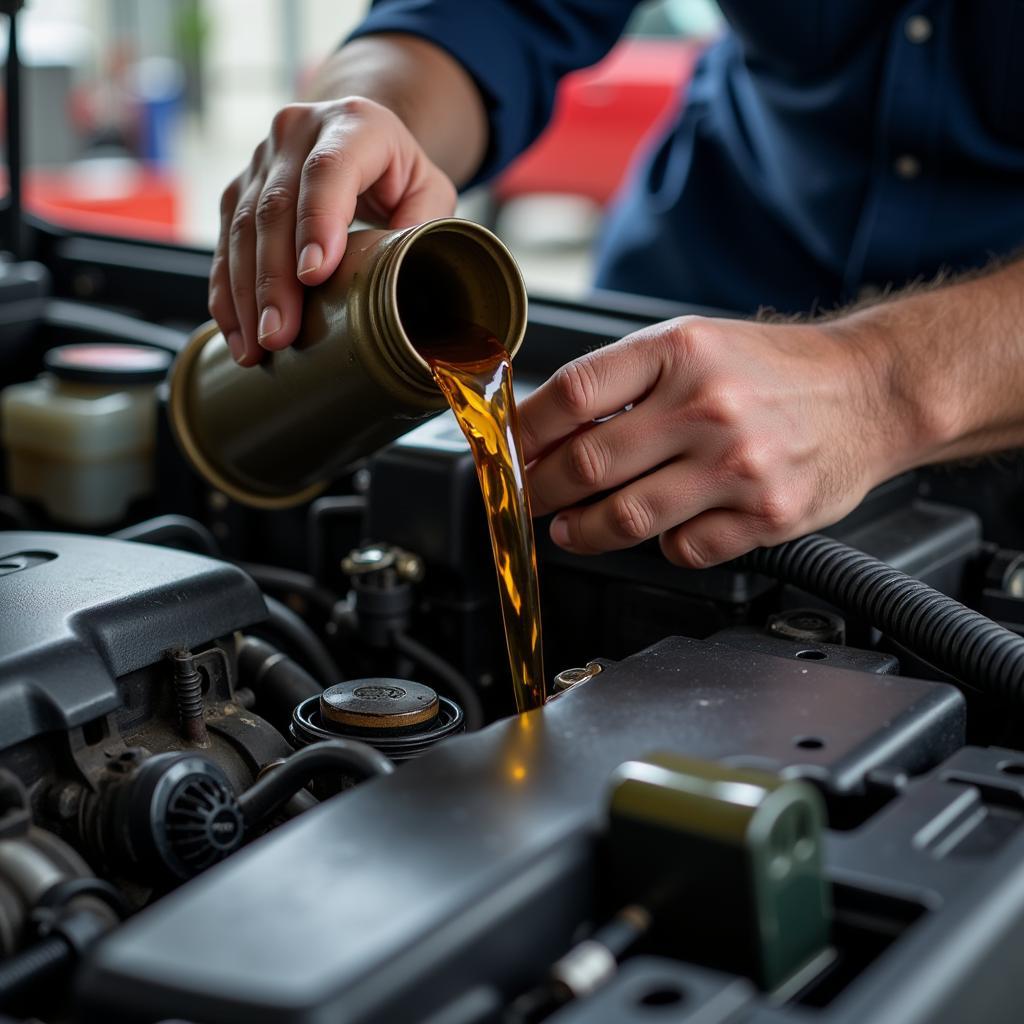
<point>738,434</point>
<point>285,218</point>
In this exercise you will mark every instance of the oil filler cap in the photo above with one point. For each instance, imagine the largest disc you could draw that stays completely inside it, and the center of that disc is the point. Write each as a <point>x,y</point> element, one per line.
<point>380,705</point>
<point>398,717</point>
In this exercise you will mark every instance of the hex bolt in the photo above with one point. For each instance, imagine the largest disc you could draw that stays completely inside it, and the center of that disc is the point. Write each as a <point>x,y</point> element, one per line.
<point>188,692</point>
<point>372,558</point>
<point>808,625</point>
<point>570,677</point>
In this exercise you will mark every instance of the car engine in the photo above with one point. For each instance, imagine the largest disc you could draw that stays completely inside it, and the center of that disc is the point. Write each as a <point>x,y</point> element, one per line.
<point>265,766</point>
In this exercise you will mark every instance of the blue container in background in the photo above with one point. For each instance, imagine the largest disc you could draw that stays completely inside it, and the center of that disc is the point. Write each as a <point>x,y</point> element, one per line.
<point>160,92</point>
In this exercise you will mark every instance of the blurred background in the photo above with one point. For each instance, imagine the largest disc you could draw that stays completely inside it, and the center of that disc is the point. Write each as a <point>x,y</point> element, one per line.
<point>138,113</point>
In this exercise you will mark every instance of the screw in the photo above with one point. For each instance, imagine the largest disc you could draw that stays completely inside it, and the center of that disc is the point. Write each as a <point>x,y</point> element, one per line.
<point>379,557</point>
<point>63,800</point>
<point>188,691</point>
<point>569,677</point>
<point>372,558</point>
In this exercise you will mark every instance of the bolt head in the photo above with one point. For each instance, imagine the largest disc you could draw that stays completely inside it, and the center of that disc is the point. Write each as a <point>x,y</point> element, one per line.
<point>571,676</point>
<point>409,566</point>
<point>371,558</point>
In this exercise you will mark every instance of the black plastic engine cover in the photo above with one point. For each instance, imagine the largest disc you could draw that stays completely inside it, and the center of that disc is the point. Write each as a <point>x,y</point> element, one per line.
<point>78,612</point>
<point>469,872</point>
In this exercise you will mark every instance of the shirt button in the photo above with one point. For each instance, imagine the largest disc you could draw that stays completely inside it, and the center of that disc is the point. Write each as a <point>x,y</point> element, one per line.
<point>907,167</point>
<point>918,29</point>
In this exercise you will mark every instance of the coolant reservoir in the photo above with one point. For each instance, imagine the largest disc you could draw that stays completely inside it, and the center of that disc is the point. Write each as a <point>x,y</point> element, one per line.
<point>80,437</point>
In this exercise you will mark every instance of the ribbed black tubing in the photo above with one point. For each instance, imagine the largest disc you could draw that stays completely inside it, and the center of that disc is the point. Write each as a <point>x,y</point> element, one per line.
<point>953,638</point>
<point>21,972</point>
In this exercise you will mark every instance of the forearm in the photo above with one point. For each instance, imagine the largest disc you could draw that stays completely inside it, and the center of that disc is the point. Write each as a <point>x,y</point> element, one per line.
<point>429,90</point>
<point>741,434</point>
<point>949,362</point>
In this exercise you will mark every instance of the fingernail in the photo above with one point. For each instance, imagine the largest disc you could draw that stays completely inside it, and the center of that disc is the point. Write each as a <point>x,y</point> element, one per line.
<point>560,531</point>
<point>270,322</point>
<point>310,259</point>
<point>237,345</point>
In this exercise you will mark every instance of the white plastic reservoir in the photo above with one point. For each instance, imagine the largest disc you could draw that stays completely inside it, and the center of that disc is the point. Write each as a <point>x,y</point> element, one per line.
<point>80,437</point>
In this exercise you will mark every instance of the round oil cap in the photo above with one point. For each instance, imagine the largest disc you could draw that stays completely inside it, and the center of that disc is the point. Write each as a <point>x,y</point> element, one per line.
<point>379,704</point>
<point>101,363</point>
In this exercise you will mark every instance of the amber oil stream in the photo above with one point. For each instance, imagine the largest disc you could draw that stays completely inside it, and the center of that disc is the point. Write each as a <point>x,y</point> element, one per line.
<point>474,371</point>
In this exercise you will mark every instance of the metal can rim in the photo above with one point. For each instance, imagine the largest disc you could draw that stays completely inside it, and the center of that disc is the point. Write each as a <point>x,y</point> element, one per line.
<point>503,259</point>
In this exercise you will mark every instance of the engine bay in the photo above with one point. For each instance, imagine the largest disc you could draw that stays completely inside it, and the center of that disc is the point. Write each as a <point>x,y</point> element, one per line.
<point>265,765</point>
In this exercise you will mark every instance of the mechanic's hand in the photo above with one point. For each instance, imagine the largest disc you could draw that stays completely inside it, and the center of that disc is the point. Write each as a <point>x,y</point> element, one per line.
<point>285,218</point>
<point>737,435</point>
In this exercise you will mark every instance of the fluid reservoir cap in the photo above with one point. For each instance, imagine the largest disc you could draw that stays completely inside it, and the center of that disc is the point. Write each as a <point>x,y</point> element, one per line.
<point>108,364</point>
<point>379,704</point>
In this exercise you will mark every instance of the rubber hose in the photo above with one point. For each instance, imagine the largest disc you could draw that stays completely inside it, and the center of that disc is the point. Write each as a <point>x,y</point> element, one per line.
<point>272,577</point>
<point>21,972</point>
<point>349,757</point>
<point>278,682</point>
<point>459,686</point>
<point>954,638</point>
<point>299,803</point>
<point>305,644</point>
<point>171,530</point>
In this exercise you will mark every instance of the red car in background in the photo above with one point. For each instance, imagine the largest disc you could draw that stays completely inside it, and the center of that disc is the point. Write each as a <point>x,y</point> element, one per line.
<point>602,115</point>
<point>117,196</point>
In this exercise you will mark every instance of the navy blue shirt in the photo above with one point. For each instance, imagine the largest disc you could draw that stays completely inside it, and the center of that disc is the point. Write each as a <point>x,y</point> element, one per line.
<point>825,145</point>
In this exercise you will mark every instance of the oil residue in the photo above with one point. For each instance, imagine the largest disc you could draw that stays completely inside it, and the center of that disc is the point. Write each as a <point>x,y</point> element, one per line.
<point>474,371</point>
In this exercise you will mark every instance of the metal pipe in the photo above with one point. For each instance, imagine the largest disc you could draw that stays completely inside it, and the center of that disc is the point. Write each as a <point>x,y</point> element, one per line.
<point>302,641</point>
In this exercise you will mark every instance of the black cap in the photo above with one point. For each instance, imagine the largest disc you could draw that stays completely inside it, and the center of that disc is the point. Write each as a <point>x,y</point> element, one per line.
<point>179,814</point>
<point>108,363</point>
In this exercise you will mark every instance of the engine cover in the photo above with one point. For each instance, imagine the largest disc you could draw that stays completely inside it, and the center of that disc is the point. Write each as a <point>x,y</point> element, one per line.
<point>79,612</point>
<point>471,872</point>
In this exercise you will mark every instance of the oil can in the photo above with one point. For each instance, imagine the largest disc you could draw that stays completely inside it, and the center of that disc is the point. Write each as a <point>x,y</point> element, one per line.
<point>276,434</point>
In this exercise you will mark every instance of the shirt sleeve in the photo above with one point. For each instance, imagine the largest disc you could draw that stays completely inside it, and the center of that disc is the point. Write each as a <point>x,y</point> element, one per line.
<point>516,51</point>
